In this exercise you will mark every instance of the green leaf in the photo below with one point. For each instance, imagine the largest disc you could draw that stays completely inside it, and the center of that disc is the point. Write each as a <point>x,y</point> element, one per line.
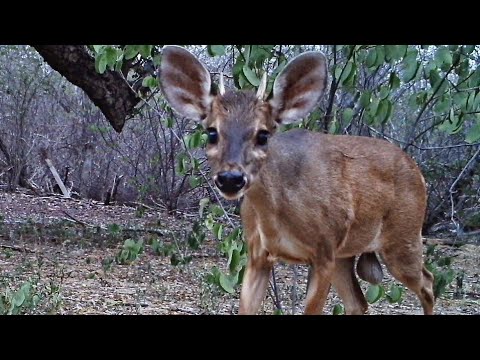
<point>384,92</point>
<point>347,72</point>
<point>18,298</point>
<point>25,288</point>
<point>443,56</point>
<point>371,59</point>
<point>194,181</point>
<point>410,66</point>
<point>395,294</point>
<point>431,65</point>
<point>374,293</point>
<point>452,124</point>
<point>476,102</point>
<point>365,99</point>
<point>259,53</point>
<point>226,283</point>
<point>469,49</point>
<point>434,78</point>
<point>98,48</point>
<point>217,210</point>
<point>373,107</point>
<point>473,134</point>
<point>444,261</point>
<point>443,105</point>
<point>347,115</point>
<point>145,50</point>
<point>195,140</point>
<point>150,82</point>
<point>216,50</point>
<point>384,111</point>
<point>338,309</point>
<point>238,67</point>
<point>110,56</point>
<point>250,76</point>
<point>380,49</point>
<point>130,51</point>
<point>101,63</point>
<point>394,81</point>
<point>391,52</point>
<point>218,231</point>
<point>470,102</point>
<point>402,50</point>
<point>234,261</point>
<point>460,99</point>
<point>175,259</point>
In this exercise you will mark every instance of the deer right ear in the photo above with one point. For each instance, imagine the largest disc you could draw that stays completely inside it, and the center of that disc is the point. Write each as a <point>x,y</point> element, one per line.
<point>185,83</point>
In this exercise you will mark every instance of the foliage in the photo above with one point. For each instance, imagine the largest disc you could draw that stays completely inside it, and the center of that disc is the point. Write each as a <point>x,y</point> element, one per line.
<point>440,267</point>
<point>130,252</point>
<point>424,98</point>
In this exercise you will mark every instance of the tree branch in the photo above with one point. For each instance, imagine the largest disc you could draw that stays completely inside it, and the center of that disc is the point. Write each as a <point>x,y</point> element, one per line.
<point>109,91</point>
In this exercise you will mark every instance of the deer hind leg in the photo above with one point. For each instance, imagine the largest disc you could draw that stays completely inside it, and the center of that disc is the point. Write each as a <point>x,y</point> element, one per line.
<point>345,282</point>
<point>404,260</point>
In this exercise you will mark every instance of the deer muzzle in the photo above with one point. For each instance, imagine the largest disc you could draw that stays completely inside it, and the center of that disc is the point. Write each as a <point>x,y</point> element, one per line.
<point>230,182</point>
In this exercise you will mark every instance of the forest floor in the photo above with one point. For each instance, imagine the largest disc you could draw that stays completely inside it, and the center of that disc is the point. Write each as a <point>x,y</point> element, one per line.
<point>62,252</point>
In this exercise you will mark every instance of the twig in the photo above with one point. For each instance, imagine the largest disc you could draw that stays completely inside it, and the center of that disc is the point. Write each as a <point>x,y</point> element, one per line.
<point>274,289</point>
<point>420,147</point>
<point>186,311</point>
<point>17,248</point>
<point>455,241</point>
<point>218,73</point>
<point>136,203</point>
<point>153,231</point>
<point>76,220</point>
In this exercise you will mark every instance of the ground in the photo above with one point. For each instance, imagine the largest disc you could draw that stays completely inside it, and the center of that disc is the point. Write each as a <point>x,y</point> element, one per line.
<point>66,249</point>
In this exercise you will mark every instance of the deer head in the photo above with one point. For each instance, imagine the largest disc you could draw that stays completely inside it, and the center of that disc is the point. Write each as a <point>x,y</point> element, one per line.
<point>240,123</point>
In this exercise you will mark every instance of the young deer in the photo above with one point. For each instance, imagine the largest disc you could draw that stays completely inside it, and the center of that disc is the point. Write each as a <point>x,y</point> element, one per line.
<point>309,198</point>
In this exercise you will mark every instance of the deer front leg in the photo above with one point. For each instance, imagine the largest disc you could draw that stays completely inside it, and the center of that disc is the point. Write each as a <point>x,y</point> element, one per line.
<point>255,280</point>
<point>318,288</point>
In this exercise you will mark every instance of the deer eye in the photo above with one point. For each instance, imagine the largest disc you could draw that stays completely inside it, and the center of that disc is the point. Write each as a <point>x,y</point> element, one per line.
<point>212,135</point>
<point>262,137</point>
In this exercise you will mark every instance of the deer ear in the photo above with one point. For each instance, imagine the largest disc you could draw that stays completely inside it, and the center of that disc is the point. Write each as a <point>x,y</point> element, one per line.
<point>185,83</point>
<point>299,87</point>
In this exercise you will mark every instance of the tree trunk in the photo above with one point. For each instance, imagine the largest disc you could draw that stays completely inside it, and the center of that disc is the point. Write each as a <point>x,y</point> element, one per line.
<point>109,91</point>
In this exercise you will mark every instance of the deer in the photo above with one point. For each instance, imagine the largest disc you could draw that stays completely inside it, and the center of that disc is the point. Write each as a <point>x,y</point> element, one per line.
<point>307,197</point>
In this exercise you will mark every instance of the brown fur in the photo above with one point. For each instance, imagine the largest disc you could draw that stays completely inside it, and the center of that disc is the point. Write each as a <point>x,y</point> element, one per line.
<point>312,198</point>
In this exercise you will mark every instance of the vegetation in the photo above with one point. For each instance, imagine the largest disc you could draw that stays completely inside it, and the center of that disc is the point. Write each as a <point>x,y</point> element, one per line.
<point>424,98</point>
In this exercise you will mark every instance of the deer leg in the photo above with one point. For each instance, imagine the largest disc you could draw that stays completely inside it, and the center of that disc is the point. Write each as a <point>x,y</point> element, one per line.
<point>254,283</point>
<point>318,288</point>
<point>345,282</point>
<point>405,263</point>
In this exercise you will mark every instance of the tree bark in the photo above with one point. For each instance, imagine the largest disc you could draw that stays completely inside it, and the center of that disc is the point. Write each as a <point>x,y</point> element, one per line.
<point>109,91</point>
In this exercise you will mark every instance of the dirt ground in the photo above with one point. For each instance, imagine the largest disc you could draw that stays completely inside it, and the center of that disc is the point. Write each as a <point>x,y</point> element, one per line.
<point>53,240</point>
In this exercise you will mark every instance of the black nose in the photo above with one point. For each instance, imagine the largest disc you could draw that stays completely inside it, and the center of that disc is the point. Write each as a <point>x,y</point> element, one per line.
<point>230,181</point>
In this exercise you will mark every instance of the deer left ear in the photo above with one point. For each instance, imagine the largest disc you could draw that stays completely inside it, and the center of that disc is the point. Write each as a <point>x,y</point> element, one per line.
<point>299,87</point>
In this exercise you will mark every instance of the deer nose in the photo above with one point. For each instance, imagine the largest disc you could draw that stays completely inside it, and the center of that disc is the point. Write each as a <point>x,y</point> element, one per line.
<point>230,181</point>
